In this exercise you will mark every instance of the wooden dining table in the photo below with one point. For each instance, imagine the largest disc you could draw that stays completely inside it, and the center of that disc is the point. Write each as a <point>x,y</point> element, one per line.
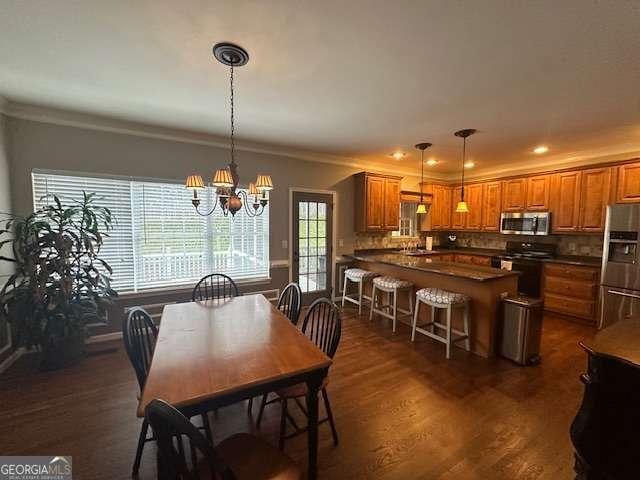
<point>214,353</point>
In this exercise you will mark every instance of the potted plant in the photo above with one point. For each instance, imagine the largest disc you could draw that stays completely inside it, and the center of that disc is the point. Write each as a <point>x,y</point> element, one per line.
<point>60,282</point>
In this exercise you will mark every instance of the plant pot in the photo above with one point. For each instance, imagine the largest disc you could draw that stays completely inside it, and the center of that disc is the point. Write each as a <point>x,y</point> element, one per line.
<point>62,353</point>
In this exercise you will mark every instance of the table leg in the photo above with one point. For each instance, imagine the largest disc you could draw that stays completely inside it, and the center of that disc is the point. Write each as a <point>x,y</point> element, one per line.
<point>313,386</point>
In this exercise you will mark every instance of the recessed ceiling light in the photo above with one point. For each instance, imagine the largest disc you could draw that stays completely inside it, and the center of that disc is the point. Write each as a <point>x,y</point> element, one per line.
<point>540,150</point>
<point>432,161</point>
<point>469,164</point>
<point>398,155</point>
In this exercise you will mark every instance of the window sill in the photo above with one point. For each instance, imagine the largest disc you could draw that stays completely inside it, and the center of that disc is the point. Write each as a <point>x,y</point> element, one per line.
<point>186,288</point>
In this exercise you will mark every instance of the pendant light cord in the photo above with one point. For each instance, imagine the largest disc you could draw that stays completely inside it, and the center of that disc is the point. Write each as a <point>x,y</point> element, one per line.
<point>421,174</point>
<point>233,145</point>
<point>464,153</point>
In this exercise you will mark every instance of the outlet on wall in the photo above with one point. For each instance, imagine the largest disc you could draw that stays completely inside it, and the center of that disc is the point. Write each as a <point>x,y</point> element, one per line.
<point>341,242</point>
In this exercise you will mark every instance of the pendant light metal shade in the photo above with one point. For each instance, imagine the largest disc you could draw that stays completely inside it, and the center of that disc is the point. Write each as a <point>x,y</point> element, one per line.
<point>422,208</point>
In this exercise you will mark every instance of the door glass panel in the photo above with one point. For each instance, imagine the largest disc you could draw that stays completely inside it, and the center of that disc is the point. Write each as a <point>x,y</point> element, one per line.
<point>312,244</point>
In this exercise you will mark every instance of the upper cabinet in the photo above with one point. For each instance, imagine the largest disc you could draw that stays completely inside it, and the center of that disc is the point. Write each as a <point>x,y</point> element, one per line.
<point>441,207</point>
<point>514,195</point>
<point>538,192</point>
<point>458,220</point>
<point>565,201</point>
<point>377,202</point>
<point>595,191</point>
<point>628,188</point>
<point>473,195</point>
<point>491,202</point>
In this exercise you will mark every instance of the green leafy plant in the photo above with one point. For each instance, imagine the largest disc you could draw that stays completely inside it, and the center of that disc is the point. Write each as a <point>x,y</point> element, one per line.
<point>60,282</point>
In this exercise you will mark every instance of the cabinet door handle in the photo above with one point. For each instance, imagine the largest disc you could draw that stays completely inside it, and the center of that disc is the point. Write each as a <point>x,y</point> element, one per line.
<point>585,378</point>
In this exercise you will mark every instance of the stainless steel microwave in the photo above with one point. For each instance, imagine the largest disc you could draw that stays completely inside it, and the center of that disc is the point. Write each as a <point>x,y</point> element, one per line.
<point>526,223</point>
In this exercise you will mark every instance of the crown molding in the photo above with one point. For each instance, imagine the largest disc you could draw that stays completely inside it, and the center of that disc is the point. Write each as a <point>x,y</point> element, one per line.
<point>88,121</point>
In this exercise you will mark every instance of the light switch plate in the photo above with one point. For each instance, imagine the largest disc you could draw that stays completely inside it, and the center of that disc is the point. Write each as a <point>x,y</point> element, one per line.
<point>285,244</point>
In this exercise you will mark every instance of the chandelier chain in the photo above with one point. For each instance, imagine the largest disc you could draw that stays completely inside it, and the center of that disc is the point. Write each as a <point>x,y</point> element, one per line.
<point>233,146</point>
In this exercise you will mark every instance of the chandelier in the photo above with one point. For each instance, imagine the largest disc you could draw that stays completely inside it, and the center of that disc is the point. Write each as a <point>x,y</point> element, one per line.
<point>228,195</point>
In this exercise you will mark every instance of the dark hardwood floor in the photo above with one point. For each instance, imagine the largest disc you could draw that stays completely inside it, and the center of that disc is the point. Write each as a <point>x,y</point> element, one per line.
<point>402,410</point>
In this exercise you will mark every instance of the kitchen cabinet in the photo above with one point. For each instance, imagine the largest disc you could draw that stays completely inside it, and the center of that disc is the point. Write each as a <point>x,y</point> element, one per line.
<point>628,183</point>
<point>458,220</point>
<point>538,193</point>
<point>595,190</point>
<point>491,206</point>
<point>473,195</point>
<point>571,290</point>
<point>377,202</point>
<point>565,201</point>
<point>441,207</point>
<point>514,195</point>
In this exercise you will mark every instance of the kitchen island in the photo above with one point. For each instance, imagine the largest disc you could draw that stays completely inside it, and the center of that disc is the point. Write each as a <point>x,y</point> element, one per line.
<point>485,286</point>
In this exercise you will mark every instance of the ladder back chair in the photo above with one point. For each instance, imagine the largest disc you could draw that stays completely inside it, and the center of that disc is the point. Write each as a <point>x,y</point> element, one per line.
<point>139,334</point>
<point>323,326</point>
<point>239,457</point>
<point>216,286</point>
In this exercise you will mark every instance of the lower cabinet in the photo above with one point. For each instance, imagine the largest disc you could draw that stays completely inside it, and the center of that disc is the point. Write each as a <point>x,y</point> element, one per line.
<point>571,290</point>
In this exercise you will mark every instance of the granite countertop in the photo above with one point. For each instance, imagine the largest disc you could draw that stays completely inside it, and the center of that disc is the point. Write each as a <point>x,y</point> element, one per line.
<point>565,259</point>
<point>432,265</point>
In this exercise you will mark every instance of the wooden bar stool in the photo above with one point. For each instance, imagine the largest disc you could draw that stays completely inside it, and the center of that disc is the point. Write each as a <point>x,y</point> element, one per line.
<point>441,299</point>
<point>360,277</point>
<point>392,286</point>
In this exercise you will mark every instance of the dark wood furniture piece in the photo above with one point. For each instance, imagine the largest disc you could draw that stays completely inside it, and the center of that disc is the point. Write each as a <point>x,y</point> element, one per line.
<point>216,286</point>
<point>322,325</point>
<point>377,206</point>
<point>201,344</point>
<point>239,457</point>
<point>139,334</point>
<point>605,430</point>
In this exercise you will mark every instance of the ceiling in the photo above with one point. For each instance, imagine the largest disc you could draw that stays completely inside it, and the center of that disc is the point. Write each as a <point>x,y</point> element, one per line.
<point>352,80</point>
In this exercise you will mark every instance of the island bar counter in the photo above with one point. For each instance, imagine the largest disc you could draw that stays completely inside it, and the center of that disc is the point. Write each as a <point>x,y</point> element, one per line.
<point>484,285</point>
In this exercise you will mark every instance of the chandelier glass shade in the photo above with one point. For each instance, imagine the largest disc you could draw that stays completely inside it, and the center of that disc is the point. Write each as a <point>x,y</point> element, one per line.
<point>229,197</point>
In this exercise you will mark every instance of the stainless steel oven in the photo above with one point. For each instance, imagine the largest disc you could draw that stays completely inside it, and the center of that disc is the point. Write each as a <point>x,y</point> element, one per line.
<point>525,223</point>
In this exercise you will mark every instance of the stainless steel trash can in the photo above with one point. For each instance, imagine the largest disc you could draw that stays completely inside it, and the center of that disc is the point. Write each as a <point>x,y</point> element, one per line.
<point>521,329</point>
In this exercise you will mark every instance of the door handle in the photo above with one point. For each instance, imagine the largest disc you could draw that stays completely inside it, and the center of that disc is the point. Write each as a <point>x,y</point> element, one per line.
<point>295,256</point>
<point>623,294</point>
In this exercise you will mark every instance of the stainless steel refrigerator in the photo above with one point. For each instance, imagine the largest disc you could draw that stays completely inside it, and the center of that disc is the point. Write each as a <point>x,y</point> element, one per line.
<point>620,276</point>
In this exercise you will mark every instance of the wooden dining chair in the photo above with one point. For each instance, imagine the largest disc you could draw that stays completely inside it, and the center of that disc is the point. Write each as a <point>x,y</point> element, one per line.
<point>216,286</point>
<point>139,334</point>
<point>323,326</point>
<point>289,303</point>
<point>239,457</point>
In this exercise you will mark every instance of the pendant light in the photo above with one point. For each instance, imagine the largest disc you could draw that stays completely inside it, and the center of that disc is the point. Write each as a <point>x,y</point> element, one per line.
<point>422,208</point>
<point>462,206</point>
<point>225,180</point>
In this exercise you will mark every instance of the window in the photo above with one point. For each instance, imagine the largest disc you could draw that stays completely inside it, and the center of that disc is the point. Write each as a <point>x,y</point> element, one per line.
<point>158,239</point>
<point>408,220</point>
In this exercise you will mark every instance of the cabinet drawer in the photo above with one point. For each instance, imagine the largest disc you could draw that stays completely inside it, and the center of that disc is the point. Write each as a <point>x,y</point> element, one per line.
<point>445,258</point>
<point>570,288</point>
<point>571,272</point>
<point>569,306</point>
<point>463,258</point>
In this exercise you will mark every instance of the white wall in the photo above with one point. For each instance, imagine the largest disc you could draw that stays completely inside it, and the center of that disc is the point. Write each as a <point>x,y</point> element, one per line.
<point>5,208</point>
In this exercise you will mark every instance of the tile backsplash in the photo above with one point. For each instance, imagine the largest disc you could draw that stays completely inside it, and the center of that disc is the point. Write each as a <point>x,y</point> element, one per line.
<point>583,245</point>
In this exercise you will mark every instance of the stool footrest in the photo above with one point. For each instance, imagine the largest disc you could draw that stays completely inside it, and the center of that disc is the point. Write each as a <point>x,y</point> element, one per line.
<point>435,336</point>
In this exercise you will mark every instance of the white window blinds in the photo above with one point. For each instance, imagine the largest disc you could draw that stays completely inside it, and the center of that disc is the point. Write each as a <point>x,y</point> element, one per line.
<point>159,240</point>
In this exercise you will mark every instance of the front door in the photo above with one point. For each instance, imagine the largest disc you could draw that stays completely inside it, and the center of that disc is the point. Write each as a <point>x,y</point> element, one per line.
<point>312,244</point>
